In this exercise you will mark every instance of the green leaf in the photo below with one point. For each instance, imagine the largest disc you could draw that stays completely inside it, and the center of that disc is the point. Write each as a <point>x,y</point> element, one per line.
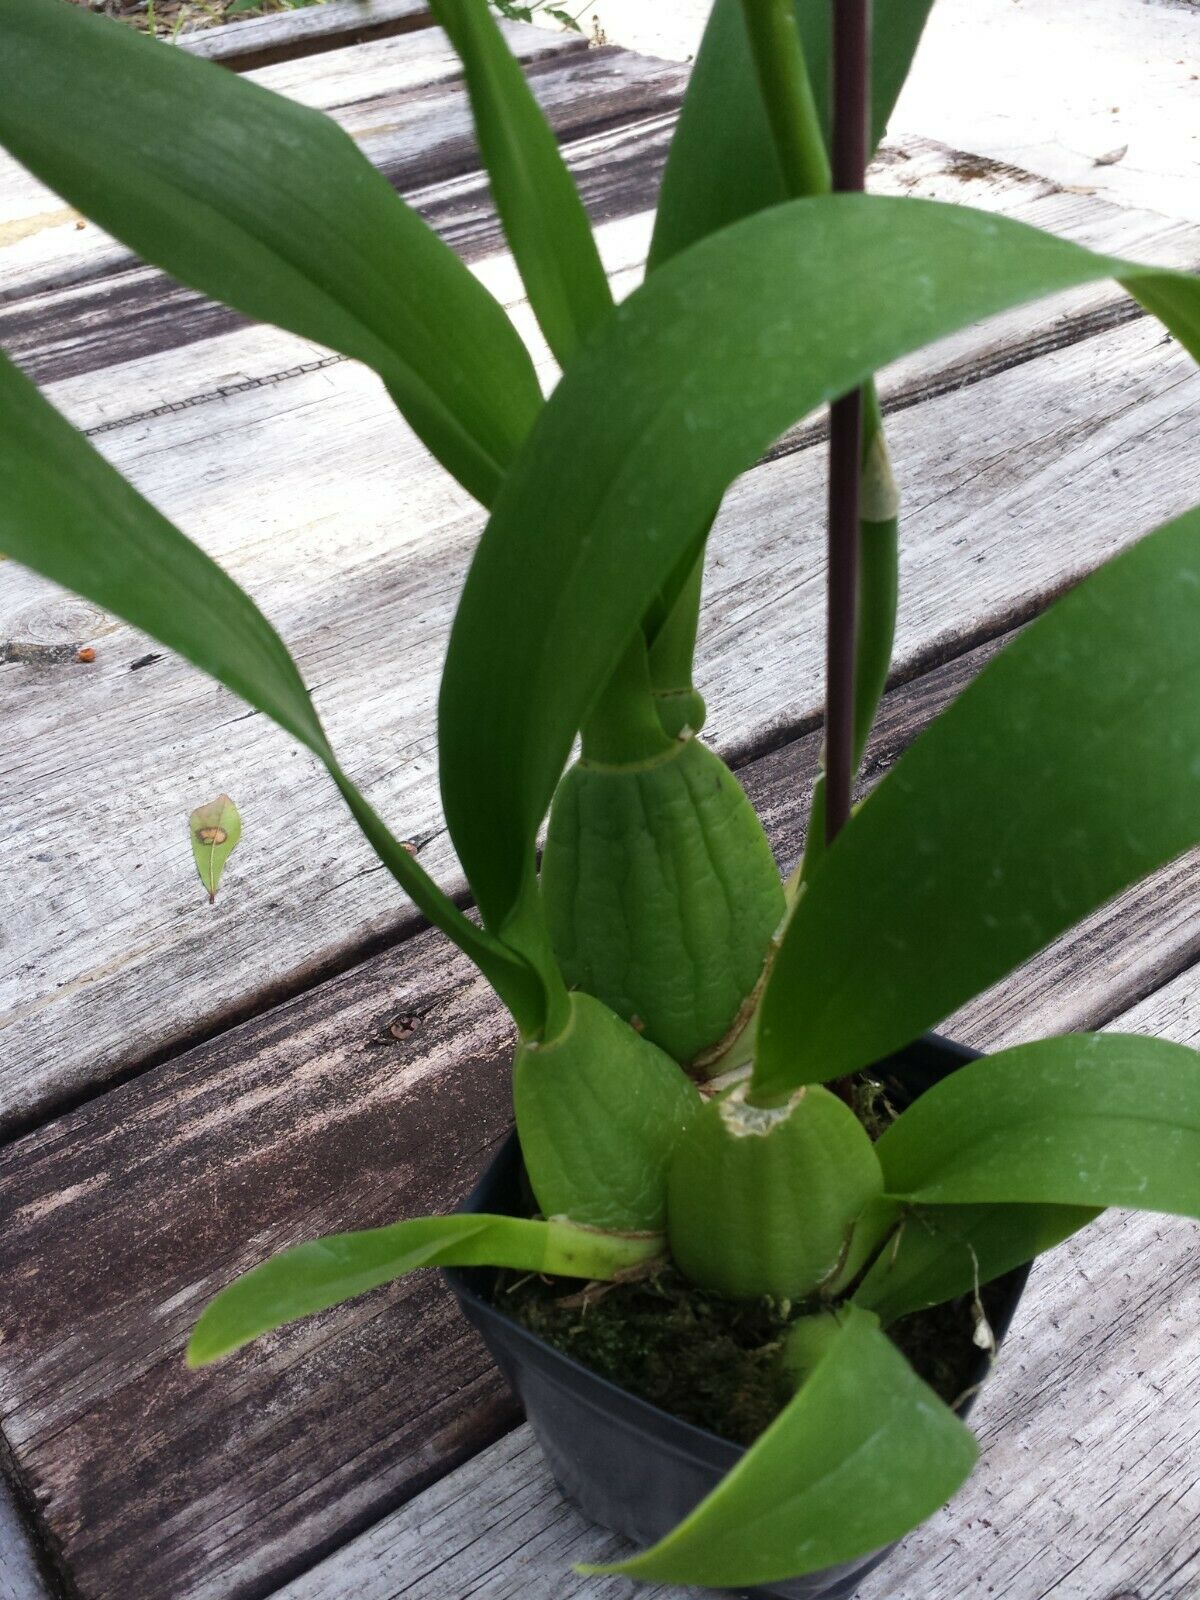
<point>67,514</point>
<point>1064,772</point>
<point>940,1252</point>
<point>544,220</point>
<point>759,78</point>
<point>1102,1119</point>
<point>214,830</point>
<point>312,1277</point>
<point>694,375</point>
<point>272,208</point>
<point>723,164</point>
<point>863,1453</point>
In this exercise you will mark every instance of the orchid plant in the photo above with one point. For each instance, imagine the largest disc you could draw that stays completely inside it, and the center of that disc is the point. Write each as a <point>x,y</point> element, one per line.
<point>680,1012</point>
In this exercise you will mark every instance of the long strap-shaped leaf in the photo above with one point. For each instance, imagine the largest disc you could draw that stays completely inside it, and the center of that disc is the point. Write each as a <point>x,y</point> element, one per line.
<point>695,374</point>
<point>863,1453</point>
<point>723,164</point>
<point>797,123</point>
<point>70,516</point>
<point>728,161</point>
<point>312,1277</point>
<point>1103,1119</point>
<point>270,207</point>
<point>1066,771</point>
<point>940,1252</point>
<point>544,221</point>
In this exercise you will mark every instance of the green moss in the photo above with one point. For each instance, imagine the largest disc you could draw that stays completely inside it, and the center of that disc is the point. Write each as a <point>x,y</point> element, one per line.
<point>711,1361</point>
<point>871,1105</point>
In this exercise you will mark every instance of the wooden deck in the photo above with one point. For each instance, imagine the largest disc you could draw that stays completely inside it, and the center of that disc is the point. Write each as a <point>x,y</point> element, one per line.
<point>184,1089</point>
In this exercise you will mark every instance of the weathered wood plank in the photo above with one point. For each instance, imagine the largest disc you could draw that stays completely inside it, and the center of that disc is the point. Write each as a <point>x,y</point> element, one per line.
<point>78,321</point>
<point>375,1095</point>
<point>1132,83</point>
<point>1131,93</point>
<point>1086,1487</point>
<point>401,99</point>
<point>81,324</point>
<point>264,41</point>
<point>1057,463</point>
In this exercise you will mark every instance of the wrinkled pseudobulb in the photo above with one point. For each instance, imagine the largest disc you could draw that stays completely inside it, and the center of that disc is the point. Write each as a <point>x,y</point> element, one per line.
<point>599,1112</point>
<point>662,894</point>
<point>765,1200</point>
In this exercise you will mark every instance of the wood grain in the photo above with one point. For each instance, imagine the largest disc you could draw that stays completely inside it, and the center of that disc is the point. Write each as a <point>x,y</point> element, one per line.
<point>1086,1489</point>
<point>375,1095</point>
<point>264,41</point>
<point>402,101</point>
<point>1056,464</point>
<point>1086,1486</point>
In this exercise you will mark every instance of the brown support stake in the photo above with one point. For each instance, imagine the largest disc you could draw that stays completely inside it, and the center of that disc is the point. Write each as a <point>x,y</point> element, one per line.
<point>851,87</point>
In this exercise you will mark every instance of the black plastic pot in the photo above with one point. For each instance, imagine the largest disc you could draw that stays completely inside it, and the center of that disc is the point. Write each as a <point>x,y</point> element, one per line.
<point>626,1464</point>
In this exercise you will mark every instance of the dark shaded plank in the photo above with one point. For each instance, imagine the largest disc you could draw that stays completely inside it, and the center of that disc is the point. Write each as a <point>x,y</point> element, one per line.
<point>376,1095</point>
<point>264,41</point>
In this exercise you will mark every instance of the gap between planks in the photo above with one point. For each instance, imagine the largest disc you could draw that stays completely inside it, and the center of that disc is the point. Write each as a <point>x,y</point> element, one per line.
<point>379,1094</point>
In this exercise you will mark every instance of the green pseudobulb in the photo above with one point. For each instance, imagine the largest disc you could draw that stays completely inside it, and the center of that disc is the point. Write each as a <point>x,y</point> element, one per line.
<point>599,1112</point>
<point>661,893</point>
<point>765,1201</point>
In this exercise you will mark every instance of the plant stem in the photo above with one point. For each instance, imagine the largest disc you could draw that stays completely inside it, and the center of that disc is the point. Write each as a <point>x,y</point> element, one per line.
<point>787,95</point>
<point>851,71</point>
<point>623,727</point>
<point>671,654</point>
<point>785,87</point>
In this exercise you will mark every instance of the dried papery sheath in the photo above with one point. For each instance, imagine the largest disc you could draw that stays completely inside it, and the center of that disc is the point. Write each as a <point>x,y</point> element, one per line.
<point>764,1200</point>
